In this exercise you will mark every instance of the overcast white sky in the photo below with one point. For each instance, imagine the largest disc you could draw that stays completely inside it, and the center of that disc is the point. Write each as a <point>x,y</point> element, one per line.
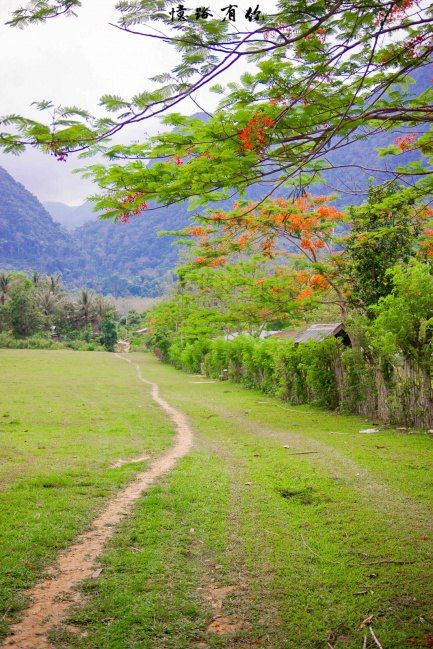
<point>73,61</point>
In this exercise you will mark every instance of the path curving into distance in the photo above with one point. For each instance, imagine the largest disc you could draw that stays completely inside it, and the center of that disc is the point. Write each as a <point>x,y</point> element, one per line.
<point>52,597</point>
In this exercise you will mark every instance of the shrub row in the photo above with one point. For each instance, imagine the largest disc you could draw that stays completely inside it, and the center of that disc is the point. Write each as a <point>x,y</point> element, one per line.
<point>323,373</point>
<point>42,342</point>
<point>300,374</point>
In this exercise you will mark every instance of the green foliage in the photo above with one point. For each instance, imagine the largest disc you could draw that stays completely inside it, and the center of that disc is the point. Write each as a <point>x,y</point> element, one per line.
<point>404,318</point>
<point>40,306</point>
<point>7,341</point>
<point>244,296</point>
<point>318,94</point>
<point>299,374</point>
<point>109,332</point>
<point>384,231</point>
<point>24,314</point>
<point>386,375</point>
<point>358,384</point>
<point>38,11</point>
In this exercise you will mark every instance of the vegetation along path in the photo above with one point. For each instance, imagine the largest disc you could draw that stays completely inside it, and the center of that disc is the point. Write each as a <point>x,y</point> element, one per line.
<point>283,527</point>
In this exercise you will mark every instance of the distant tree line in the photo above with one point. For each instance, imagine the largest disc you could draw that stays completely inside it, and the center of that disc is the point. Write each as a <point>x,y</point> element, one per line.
<point>38,305</point>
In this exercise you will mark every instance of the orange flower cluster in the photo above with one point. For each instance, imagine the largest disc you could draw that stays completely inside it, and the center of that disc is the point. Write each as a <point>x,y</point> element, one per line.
<point>218,261</point>
<point>127,212</point>
<point>253,137</point>
<point>196,231</point>
<point>306,293</point>
<point>218,217</point>
<point>279,219</point>
<point>427,243</point>
<point>299,223</point>
<point>405,142</point>
<point>307,244</point>
<point>199,261</point>
<point>427,248</point>
<point>242,241</point>
<point>268,247</point>
<point>302,203</point>
<point>397,12</point>
<point>329,212</point>
<point>318,281</point>
<point>302,276</point>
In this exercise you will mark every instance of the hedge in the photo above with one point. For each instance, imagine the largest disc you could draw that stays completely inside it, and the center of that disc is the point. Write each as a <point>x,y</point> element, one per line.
<point>323,373</point>
<point>41,342</point>
<point>299,374</point>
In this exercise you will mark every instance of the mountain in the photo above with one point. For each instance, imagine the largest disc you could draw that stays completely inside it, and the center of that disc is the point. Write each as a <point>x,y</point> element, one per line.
<point>70,216</point>
<point>131,259</point>
<point>29,238</point>
<point>112,258</point>
<point>108,257</point>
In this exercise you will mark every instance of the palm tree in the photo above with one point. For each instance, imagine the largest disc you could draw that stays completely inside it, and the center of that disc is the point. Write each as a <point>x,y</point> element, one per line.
<point>48,302</point>
<point>102,306</point>
<point>85,306</point>
<point>5,281</point>
<point>54,284</point>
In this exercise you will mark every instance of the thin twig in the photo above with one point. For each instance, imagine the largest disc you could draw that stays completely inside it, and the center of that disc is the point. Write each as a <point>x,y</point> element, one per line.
<point>304,453</point>
<point>3,617</point>
<point>395,561</point>
<point>373,635</point>
<point>364,644</point>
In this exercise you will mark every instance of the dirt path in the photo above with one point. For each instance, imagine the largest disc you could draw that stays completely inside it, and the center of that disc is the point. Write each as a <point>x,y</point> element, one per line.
<point>52,597</point>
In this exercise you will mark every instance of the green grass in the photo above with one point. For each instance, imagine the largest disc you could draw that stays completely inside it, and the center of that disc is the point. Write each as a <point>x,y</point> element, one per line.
<point>313,543</point>
<point>64,418</point>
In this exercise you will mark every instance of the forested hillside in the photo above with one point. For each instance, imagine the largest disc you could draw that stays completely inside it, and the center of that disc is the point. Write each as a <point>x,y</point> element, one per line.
<point>130,259</point>
<point>112,258</point>
<point>29,238</point>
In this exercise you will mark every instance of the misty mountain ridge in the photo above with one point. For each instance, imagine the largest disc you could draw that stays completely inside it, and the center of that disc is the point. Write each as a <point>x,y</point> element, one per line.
<point>70,216</point>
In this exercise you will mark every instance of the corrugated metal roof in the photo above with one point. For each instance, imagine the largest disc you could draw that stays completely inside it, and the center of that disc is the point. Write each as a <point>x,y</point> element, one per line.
<point>286,333</point>
<point>319,332</point>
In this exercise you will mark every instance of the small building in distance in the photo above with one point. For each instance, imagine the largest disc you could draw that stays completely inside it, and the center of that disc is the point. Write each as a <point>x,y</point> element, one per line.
<point>316,332</point>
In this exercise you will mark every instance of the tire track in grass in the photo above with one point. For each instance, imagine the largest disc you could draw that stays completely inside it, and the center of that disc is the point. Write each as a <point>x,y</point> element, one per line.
<point>52,597</point>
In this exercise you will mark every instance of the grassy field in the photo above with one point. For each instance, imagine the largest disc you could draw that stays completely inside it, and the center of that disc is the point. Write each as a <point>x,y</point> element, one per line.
<point>285,528</point>
<point>65,418</point>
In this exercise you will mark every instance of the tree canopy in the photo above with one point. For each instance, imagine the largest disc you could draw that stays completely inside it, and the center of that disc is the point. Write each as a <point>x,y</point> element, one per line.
<point>323,74</point>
